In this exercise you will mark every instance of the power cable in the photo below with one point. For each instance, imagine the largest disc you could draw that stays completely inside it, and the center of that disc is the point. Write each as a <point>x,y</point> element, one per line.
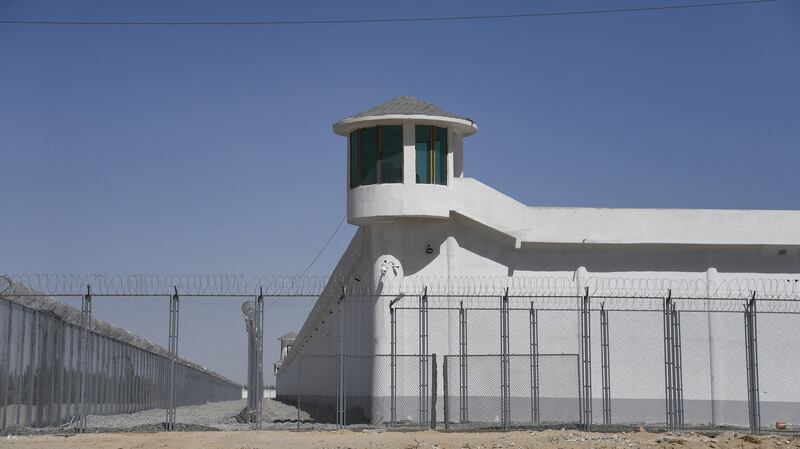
<point>324,246</point>
<point>381,20</point>
<point>275,300</point>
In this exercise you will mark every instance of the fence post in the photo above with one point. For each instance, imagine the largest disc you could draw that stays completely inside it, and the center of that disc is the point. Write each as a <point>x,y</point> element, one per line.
<point>299,384</point>
<point>41,355</point>
<point>21,367</point>
<point>673,375</point>
<point>32,368</point>
<point>250,366</point>
<point>84,355</point>
<point>341,381</point>
<point>751,348</point>
<point>463,394</point>
<point>434,388</point>
<point>393,361</point>
<point>677,364</point>
<point>101,375</point>
<point>534,350</point>
<point>62,367</point>
<point>259,381</point>
<point>174,310</point>
<point>423,359</point>
<point>586,354</point>
<point>667,360</point>
<point>4,382</point>
<point>505,387</point>
<point>606,364</point>
<point>53,363</point>
<point>445,392</point>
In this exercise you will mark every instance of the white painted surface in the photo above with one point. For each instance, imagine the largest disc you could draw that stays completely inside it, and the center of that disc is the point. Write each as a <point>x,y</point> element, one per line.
<point>465,127</point>
<point>474,230</point>
<point>535,225</point>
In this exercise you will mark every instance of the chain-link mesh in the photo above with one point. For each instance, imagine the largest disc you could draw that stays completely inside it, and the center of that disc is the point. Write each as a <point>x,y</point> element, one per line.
<point>444,360</point>
<point>364,397</point>
<point>544,390</point>
<point>779,371</point>
<point>54,372</point>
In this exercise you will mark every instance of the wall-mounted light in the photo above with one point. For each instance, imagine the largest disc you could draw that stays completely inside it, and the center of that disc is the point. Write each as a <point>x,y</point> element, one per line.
<point>428,249</point>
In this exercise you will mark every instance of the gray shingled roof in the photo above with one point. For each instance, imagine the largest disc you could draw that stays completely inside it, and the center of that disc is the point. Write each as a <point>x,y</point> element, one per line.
<point>407,106</point>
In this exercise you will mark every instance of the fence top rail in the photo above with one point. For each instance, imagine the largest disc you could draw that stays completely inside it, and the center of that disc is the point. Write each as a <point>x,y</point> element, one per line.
<point>523,286</point>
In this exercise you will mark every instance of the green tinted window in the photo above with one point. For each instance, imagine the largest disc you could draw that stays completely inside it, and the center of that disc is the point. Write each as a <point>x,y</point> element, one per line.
<point>440,155</point>
<point>391,156</point>
<point>431,144</point>
<point>369,156</point>
<point>376,155</point>
<point>355,175</point>
<point>423,147</point>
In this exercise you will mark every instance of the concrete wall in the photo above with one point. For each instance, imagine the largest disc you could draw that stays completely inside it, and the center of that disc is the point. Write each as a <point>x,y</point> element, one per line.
<point>713,343</point>
<point>469,231</point>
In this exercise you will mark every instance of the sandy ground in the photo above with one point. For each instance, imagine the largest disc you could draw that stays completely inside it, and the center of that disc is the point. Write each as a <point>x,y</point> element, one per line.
<point>549,439</point>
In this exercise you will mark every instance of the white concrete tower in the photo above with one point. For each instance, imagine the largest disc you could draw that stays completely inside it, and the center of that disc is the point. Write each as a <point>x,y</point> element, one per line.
<point>402,156</point>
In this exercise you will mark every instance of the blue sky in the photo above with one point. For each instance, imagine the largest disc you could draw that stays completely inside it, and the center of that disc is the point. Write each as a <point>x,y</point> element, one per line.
<point>208,150</point>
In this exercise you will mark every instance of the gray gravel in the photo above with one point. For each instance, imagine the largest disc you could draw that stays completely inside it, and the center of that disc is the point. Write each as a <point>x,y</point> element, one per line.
<point>211,416</point>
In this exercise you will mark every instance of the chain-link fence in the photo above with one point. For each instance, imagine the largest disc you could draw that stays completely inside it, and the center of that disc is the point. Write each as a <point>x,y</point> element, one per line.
<point>531,354</point>
<point>59,367</point>
<point>331,391</point>
<point>544,390</point>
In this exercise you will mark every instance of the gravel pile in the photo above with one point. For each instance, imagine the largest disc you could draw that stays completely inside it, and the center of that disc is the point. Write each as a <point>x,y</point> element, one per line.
<point>209,414</point>
<point>275,411</point>
<point>207,417</point>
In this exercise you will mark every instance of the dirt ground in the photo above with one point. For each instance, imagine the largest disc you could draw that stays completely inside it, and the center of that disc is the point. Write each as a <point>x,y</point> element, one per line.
<point>549,439</point>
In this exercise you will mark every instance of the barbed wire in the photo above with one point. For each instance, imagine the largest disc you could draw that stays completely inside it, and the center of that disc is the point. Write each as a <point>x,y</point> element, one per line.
<point>615,304</point>
<point>619,289</point>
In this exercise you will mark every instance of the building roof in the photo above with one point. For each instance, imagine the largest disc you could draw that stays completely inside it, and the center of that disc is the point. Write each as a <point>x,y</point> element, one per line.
<point>288,336</point>
<point>405,107</point>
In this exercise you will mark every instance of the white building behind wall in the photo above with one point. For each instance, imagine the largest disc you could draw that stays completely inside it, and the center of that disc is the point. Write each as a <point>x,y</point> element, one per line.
<point>420,217</point>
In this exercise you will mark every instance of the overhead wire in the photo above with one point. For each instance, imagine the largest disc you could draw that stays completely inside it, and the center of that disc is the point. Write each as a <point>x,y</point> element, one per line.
<point>275,300</point>
<point>378,19</point>
<point>324,246</point>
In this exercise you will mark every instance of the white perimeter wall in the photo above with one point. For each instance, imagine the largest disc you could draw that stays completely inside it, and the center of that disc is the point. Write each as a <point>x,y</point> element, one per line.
<point>713,343</point>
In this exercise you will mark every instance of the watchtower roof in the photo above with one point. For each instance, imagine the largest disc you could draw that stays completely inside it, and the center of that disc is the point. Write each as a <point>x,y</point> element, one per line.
<point>405,107</point>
